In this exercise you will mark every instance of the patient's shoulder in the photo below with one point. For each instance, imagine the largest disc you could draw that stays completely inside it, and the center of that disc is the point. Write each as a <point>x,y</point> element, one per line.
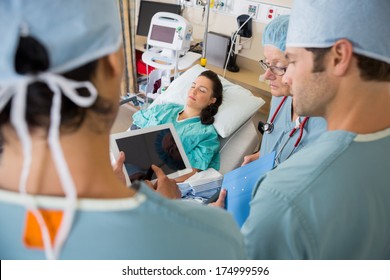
<point>210,128</point>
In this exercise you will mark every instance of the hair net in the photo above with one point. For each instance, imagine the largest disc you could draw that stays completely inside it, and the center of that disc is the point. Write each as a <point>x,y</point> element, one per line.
<point>275,32</point>
<point>320,23</point>
<point>74,33</point>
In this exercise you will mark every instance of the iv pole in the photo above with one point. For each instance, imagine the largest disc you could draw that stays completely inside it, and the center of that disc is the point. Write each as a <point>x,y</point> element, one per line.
<point>203,60</point>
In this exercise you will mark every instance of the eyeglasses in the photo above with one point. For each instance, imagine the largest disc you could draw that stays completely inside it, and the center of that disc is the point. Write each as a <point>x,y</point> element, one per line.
<point>279,71</point>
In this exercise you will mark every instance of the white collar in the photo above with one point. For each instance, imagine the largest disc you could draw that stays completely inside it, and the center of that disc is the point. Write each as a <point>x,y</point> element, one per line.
<point>372,136</point>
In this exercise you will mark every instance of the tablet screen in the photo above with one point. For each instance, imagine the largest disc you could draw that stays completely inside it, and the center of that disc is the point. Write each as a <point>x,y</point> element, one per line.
<point>143,148</point>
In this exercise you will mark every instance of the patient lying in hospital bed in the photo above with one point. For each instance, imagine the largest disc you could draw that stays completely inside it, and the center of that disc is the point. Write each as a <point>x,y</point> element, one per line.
<point>233,122</point>
<point>236,131</point>
<point>192,121</point>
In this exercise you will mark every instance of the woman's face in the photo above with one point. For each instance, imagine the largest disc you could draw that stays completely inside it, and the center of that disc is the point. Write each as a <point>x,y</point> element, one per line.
<point>200,94</point>
<point>275,57</point>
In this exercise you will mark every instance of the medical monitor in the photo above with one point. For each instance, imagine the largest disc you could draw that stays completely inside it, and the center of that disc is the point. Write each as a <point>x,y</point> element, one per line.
<point>148,9</point>
<point>169,32</point>
<point>159,145</point>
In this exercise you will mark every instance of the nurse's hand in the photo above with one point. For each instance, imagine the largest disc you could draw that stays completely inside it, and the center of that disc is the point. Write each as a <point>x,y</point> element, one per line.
<point>165,186</point>
<point>221,199</point>
<point>117,167</point>
<point>250,158</point>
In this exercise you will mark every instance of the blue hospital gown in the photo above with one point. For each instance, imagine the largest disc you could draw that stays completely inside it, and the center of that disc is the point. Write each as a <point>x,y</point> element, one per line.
<point>329,201</point>
<point>200,142</point>
<point>145,226</point>
<point>282,128</point>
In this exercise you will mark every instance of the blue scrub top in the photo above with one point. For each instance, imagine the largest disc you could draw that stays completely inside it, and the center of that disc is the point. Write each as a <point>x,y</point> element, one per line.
<point>329,201</point>
<point>145,226</point>
<point>283,126</point>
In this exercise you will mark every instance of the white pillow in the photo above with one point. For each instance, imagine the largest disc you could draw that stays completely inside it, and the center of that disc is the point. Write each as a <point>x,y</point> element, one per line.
<point>238,104</point>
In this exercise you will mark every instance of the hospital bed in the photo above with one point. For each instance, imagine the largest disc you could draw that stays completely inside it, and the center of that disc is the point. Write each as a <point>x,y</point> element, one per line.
<point>233,122</point>
<point>243,141</point>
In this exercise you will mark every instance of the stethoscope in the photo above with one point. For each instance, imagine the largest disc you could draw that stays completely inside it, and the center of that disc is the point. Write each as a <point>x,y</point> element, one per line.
<point>268,127</point>
<point>298,126</point>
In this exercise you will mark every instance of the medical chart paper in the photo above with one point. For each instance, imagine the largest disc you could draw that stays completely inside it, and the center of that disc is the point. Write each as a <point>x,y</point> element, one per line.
<point>239,184</point>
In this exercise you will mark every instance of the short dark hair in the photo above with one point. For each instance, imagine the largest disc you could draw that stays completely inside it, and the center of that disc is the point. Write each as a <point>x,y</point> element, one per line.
<point>370,69</point>
<point>208,113</point>
<point>319,58</point>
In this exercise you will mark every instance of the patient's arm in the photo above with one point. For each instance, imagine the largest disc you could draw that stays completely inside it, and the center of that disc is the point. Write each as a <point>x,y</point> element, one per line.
<point>186,176</point>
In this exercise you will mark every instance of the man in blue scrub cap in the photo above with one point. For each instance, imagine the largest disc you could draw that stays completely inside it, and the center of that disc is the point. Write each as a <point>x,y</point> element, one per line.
<point>331,200</point>
<point>61,64</point>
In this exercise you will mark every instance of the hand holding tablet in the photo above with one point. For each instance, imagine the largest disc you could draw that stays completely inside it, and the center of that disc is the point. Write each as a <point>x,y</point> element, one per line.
<point>158,145</point>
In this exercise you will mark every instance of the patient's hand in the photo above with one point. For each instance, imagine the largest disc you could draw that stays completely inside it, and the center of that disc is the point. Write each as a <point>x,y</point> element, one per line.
<point>184,177</point>
<point>250,158</point>
<point>165,186</point>
<point>117,167</point>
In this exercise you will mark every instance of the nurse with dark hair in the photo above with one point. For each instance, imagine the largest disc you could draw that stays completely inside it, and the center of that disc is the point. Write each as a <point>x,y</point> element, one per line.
<point>61,65</point>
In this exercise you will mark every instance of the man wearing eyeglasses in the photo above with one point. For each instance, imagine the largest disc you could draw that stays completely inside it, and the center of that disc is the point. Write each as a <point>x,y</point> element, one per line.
<point>278,131</point>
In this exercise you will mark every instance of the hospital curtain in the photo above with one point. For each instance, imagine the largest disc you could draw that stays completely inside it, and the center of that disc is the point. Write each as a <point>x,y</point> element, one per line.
<point>127,12</point>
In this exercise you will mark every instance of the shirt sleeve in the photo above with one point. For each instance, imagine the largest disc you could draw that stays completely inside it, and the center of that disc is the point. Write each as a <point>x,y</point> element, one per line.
<point>205,153</point>
<point>152,116</point>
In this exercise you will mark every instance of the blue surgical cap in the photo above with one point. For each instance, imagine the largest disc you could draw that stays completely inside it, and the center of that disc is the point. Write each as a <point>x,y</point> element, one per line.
<point>275,32</point>
<point>74,32</point>
<point>320,23</point>
<point>9,20</point>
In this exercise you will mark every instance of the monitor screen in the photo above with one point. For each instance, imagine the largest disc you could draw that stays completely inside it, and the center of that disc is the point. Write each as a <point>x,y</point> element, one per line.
<point>147,10</point>
<point>163,33</point>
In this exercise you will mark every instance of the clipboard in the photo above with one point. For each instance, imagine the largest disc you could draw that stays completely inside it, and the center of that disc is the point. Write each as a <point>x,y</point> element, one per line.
<point>239,184</point>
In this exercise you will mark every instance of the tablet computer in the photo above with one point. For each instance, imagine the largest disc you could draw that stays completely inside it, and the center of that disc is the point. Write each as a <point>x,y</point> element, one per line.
<point>159,145</point>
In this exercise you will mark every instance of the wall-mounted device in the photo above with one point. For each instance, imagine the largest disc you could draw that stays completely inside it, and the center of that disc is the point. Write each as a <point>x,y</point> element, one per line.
<point>246,30</point>
<point>232,58</point>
